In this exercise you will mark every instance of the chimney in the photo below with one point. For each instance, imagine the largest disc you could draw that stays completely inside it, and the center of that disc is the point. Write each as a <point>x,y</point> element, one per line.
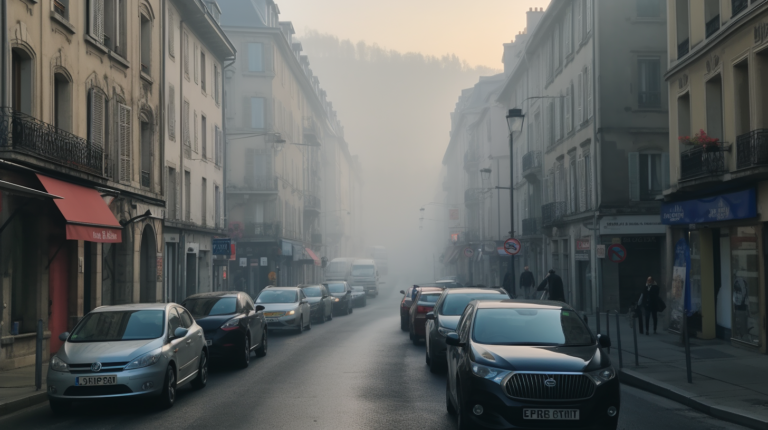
<point>533,16</point>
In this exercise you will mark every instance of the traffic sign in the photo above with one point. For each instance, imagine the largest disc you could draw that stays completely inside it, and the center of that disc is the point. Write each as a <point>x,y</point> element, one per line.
<point>512,246</point>
<point>616,253</point>
<point>600,251</point>
<point>468,252</point>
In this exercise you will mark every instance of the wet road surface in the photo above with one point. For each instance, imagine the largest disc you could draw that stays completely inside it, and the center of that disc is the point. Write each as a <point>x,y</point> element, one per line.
<point>355,372</point>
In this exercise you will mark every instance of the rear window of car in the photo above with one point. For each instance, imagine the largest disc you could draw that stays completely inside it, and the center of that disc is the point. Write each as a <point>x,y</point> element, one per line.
<point>454,304</point>
<point>429,298</point>
<point>336,288</point>
<point>210,306</point>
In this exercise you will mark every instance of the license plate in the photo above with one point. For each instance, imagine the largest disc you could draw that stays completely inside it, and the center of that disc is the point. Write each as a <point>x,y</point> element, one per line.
<point>273,314</point>
<point>551,414</point>
<point>269,320</point>
<point>208,342</point>
<point>96,380</point>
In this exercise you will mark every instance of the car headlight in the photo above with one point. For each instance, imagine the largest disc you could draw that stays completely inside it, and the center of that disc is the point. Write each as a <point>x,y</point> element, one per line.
<point>231,324</point>
<point>290,312</point>
<point>145,360</point>
<point>599,377</point>
<point>490,373</point>
<point>444,331</point>
<point>58,364</point>
<point>335,299</point>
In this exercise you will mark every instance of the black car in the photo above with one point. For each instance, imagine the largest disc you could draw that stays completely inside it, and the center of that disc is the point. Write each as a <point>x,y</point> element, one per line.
<point>342,297</point>
<point>359,297</point>
<point>233,327</point>
<point>529,364</point>
<point>320,302</point>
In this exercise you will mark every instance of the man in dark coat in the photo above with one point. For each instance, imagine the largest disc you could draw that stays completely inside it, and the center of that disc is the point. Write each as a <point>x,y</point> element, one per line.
<point>650,301</point>
<point>527,281</point>
<point>553,283</point>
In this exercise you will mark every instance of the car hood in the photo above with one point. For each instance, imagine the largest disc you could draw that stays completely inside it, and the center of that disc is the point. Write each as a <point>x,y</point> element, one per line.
<point>358,294</point>
<point>541,358</point>
<point>278,307</point>
<point>106,352</point>
<point>449,321</point>
<point>339,295</point>
<point>214,321</point>
<point>313,300</point>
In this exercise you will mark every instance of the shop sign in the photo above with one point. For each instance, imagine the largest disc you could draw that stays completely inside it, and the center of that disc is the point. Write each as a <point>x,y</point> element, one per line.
<point>725,207</point>
<point>583,246</point>
<point>681,286</point>
<point>264,262</point>
<point>600,251</point>
<point>635,224</point>
<point>222,246</point>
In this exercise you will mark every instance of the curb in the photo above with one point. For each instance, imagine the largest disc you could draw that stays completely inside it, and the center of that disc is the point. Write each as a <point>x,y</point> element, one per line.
<point>689,399</point>
<point>17,405</point>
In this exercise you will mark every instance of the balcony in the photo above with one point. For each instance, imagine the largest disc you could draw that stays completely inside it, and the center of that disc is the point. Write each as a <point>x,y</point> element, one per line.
<point>473,196</point>
<point>531,226</point>
<point>311,131</point>
<point>263,230</point>
<point>649,99</point>
<point>683,48</point>
<point>312,203</point>
<point>471,161</point>
<point>738,6</point>
<point>24,133</point>
<point>532,165</point>
<point>700,162</point>
<point>752,149</point>
<point>712,26</point>
<point>552,213</point>
<point>260,184</point>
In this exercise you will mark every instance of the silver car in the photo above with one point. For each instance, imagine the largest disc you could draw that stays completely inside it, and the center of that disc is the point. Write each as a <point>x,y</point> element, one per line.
<point>285,308</point>
<point>128,350</point>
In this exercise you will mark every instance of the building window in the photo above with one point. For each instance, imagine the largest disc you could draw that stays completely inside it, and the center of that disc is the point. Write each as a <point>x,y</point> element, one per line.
<point>146,44</point>
<point>648,175</point>
<point>216,79</point>
<point>218,150</point>
<point>714,104</point>
<point>556,45</point>
<point>582,184</point>
<point>568,108</point>
<point>185,52</point>
<point>739,6</point>
<point>146,154</point>
<point>204,132</point>
<point>217,204</point>
<point>572,189</point>
<point>588,181</point>
<point>115,26</point>
<point>97,117</point>
<point>196,60</point>
<point>204,203</point>
<point>649,85</point>
<point>741,93</point>
<point>681,14</point>
<point>711,17</point>
<point>648,8</point>
<point>257,112</point>
<point>171,112</point>
<point>124,119</point>
<point>579,100</point>
<point>171,34</point>
<point>61,7</point>
<point>588,89</point>
<point>96,20</point>
<point>568,32</point>
<point>172,194</point>
<point>202,71</point>
<point>62,102</point>
<point>195,130</point>
<point>588,13</point>
<point>187,196</point>
<point>255,57</point>
<point>185,137</point>
<point>21,81</point>
<point>577,23</point>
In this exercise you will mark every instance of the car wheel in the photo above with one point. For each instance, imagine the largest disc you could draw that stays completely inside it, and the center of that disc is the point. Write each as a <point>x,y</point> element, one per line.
<point>365,302</point>
<point>168,396</point>
<point>330,315</point>
<point>435,366</point>
<point>322,319</point>
<point>349,308</point>
<point>416,341</point>
<point>309,323</point>
<point>411,335</point>
<point>448,402</point>
<point>202,372</point>
<point>245,355</point>
<point>59,406</point>
<point>426,356</point>
<point>261,351</point>
<point>464,420</point>
<point>301,325</point>
<point>403,324</point>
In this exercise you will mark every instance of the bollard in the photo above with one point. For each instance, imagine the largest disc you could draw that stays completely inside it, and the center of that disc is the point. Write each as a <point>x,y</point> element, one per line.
<point>687,349</point>
<point>634,338</point>
<point>618,340</point>
<point>39,356</point>
<point>608,327</point>
<point>597,319</point>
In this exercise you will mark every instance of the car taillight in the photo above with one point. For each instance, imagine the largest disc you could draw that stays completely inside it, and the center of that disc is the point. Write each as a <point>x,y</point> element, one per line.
<point>423,309</point>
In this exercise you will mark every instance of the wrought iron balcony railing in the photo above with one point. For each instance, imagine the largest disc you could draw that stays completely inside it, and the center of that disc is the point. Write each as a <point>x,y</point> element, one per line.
<point>700,162</point>
<point>472,196</point>
<point>531,226</point>
<point>264,183</point>
<point>738,6</point>
<point>552,212</point>
<point>649,99</point>
<point>312,202</point>
<point>25,133</point>
<point>531,162</point>
<point>752,149</point>
<point>713,25</point>
<point>270,230</point>
<point>682,48</point>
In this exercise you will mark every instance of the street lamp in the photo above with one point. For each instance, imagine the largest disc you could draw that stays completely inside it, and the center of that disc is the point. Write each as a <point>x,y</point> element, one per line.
<point>515,120</point>
<point>485,175</point>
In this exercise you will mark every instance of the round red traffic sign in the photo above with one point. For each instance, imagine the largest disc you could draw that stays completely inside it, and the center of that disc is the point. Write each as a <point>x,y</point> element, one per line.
<point>512,246</point>
<point>468,252</point>
<point>616,253</point>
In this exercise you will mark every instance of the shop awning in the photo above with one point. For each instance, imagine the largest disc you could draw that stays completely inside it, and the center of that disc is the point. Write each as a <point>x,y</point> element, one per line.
<point>313,257</point>
<point>88,217</point>
<point>23,191</point>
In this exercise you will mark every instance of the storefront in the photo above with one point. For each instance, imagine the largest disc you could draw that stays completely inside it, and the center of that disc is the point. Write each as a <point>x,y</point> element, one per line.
<point>726,265</point>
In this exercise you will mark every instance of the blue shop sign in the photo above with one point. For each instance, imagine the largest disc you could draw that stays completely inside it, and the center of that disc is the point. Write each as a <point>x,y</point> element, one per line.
<point>725,207</point>
<point>222,246</point>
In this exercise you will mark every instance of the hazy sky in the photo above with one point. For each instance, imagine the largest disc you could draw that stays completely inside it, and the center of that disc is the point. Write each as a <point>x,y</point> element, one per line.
<point>474,31</point>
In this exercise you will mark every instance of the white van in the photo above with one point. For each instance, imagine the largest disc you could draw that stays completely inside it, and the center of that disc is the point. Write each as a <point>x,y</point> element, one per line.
<point>365,274</point>
<point>339,269</point>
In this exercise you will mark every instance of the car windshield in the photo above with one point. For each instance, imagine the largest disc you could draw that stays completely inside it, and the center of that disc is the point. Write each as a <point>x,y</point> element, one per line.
<point>430,299</point>
<point>546,327</point>
<point>336,288</point>
<point>361,289</point>
<point>337,268</point>
<point>454,304</point>
<point>363,271</point>
<point>211,306</point>
<point>278,296</point>
<point>114,326</point>
<point>312,291</point>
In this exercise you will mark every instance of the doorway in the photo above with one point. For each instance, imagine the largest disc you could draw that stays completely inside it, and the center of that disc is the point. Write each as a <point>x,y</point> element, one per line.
<point>191,284</point>
<point>148,266</point>
<point>58,290</point>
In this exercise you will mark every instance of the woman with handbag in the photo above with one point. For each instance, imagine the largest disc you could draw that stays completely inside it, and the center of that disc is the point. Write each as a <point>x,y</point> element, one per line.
<point>650,302</point>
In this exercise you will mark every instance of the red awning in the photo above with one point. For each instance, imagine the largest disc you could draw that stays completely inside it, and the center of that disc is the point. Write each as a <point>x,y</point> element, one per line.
<point>88,217</point>
<point>313,256</point>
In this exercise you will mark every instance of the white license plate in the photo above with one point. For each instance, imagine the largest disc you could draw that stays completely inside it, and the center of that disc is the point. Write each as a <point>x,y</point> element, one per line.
<point>269,320</point>
<point>96,380</point>
<point>208,342</point>
<point>551,414</point>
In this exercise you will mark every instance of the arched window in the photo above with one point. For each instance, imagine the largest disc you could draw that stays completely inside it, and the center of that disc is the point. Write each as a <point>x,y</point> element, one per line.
<point>21,81</point>
<point>62,102</point>
<point>146,150</point>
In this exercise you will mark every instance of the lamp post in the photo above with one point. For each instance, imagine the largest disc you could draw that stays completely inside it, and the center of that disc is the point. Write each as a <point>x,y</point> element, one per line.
<point>515,120</point>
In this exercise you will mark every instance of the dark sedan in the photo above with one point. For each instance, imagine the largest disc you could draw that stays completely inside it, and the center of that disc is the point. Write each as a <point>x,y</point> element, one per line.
<point>233,327</point>
<point>320,302</point>
<point>342,297</point>
<point>359,297</point>
<point>444,318</point>
<point>529,364</point>
<point>405,307</point>
<point>424,303</point>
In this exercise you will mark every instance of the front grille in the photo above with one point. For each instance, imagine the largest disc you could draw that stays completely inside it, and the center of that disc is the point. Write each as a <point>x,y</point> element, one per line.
<point>105,367</point>
<point>533,386</point>
<point>97,390</point>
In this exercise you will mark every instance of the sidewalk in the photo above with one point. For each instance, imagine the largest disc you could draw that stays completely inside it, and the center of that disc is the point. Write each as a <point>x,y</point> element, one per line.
<point>729,383</point>
<point>17,389</point>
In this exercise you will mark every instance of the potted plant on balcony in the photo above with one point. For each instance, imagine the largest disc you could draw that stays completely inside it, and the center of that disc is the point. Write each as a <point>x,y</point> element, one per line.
<point>710,144</point>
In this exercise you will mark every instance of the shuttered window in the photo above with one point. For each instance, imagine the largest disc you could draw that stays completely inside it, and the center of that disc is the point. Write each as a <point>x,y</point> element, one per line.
<point>97,121</point>
<point>185,137</point>
<point>187,196</point>
<point>204,135</point>
<point>577,24</point>
<point>573,187</point>
<point>588,85</point>
<point>219,138</point>
<point>171,193</point>
<point>579,97</point>
<point>124,141</point>
<point>185,52</point>
<point>204,203</point>
<point>568,31</point>
<point>194,125</point>
<point>582,185</point>
<point>96,19</point>
<point>171,35</point>
<point>171,112</point>
<point>568,108</point>
<point>196,66</point>
<point>589,15</point>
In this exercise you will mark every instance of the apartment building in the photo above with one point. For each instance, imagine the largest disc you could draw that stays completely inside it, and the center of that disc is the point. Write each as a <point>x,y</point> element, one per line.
<point>589,162</point>
<point>714,206</point>
<point>81,149</point>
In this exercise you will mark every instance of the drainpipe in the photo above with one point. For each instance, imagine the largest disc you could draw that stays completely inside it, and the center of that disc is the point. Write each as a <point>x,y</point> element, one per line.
<point>164,187</point>
<point>596,266</point>
<point>224,155</point>
<point>182,253</point>
<point>4,50</point>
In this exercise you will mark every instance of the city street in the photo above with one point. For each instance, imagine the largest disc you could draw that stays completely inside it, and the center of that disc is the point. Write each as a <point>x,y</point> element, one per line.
<point>355,372</point>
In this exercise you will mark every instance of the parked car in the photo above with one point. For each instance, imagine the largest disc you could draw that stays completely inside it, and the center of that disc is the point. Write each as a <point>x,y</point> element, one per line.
<point>425,300</point>
<point>126,351</point>
<point>445,316</point>
<point>449,283</point>
<point>342,297</point>
<point>320,302</point>
<point>405,304</point>
<point>515,364</point>
<point>232,325</point>
<point>285,308</point>
<point>359,297</point>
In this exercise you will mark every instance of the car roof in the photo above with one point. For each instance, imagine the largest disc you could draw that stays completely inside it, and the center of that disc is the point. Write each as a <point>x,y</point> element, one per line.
<point>522,304</point>
<point>281,288</point>
<point>133,307</point>
<point>364,261</point>
<point>469,290</point>
<point>430,289</point>
<point>214,294</point>
<point>309,285</point>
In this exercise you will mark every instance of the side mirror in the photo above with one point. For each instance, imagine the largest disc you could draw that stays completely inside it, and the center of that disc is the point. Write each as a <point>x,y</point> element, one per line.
<point>604,341</point>
<point>64,336</point>
<point>430,316</point>
<point>452,339</point>
<point>402,292</point>
<point>304,301</point>
<point>259,308</point>
<point>180,332</point>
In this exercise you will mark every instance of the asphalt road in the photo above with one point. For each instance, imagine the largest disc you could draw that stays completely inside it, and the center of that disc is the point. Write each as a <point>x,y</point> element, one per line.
<point>355,372</point>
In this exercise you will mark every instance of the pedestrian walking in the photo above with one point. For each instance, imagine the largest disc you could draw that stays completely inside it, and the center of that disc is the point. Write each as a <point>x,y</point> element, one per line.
<point>553,284</point>
<point>527,283</point>
<point>650,302</point>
